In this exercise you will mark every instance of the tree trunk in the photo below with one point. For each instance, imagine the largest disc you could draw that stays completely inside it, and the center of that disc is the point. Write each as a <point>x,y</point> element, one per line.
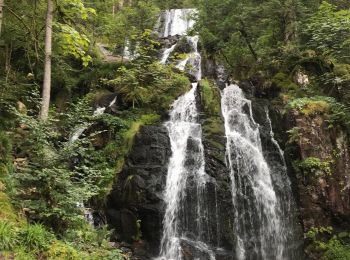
<point>47,69</point>
<point>247,40</point>
<point>1,14</point>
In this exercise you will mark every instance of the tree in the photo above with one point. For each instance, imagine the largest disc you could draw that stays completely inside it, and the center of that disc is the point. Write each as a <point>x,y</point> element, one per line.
<point>327,31</point>
<point>1,14</point>
<point>47,67</point>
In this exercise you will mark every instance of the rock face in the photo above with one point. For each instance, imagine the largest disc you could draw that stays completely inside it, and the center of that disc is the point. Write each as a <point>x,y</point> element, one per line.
<point>324,192</point>
<point>135,206</point>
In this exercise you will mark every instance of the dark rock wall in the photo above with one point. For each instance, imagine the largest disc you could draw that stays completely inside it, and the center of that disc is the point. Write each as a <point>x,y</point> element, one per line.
<point>137,192</point>
<point>135,205</point>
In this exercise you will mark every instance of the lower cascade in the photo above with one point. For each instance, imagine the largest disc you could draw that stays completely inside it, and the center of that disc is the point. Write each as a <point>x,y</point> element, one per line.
<point>185,213</point>
<point>261,221</point>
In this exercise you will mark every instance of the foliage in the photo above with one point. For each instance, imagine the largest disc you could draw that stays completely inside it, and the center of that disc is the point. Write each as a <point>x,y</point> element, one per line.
<point>59,250</point>
<point>8,236</point>
<point>51,184</point>
<point>283,81</point>
<point>329,245</point>
<point>210,95</point>
<point>71,42</point>
<point>310,106</point>
<point>327,31</point>
<point>294,135</point>
<point>35,237</point>
<point>146,82</point>
<point>313,164</point>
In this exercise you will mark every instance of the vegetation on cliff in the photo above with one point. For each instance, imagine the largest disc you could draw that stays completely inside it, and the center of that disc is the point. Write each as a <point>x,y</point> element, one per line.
<point>295,52</point>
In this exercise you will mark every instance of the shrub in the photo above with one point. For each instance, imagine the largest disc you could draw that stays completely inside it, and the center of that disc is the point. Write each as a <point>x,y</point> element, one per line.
<point>331,246</point>
<point>336,250</point>
<point>336,112</point>
<point>8,236</point>
<point>283,81</point>
<point>311,106</point>
<point>59,250</point>
<point>35,237</point>
<point>312,164</point>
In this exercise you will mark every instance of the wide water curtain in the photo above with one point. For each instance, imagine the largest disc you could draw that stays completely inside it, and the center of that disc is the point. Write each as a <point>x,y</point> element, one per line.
<point>257,221</point>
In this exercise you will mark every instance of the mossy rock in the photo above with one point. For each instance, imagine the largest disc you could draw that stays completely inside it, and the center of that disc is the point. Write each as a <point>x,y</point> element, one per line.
<point>342,70</point>
<point>7,212</point>
<point>213,126</point>
<point>211,98</point>
<point>284,82</point>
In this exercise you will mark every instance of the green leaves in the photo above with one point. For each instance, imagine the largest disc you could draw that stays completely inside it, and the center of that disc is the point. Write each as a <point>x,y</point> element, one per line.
<point>75,9</point>
<point>70,42</point>
<point>328,31</point>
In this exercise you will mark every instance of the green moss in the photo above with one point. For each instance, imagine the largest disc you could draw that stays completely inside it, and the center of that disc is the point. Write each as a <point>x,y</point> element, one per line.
<point>7,211</point>
<point>342,70</point>
<point>210,94</point>
<point>311,106</point>
<point>284,82</point>
<point>213,126</point>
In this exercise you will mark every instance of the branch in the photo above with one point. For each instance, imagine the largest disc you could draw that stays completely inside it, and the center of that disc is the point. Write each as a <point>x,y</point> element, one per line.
<point>18,18</point>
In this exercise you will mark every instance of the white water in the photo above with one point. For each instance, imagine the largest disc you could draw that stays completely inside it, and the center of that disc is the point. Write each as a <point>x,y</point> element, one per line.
<point>274,141</point>
<point>257,223</point>
<point>167,53</point>
<point>193,61</point>
<point>177,22</point>
<point>182,127</point>
<point>80,130</point>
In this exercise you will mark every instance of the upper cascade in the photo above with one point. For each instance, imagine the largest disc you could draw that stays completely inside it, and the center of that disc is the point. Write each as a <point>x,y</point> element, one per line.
<point>175,22</point>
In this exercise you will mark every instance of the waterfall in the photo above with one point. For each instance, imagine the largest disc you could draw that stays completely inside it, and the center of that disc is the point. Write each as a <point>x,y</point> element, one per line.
<point>186,211</point>
<point>80,130</point>
<point>176,22</point>
<point>193,59</point>
<point>263,221</point>
<point>257,220</point>
<point>167,53</point>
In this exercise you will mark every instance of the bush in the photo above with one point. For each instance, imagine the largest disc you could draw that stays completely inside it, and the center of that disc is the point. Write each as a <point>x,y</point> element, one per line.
<point>311,106</point>
<point>283,81</point>
<point>35,238</point>
<point>313,164</point>
<point>8,236</point>
<point>59,250</point>
<point>335,112</point>
<point>327,244</point>
<point>336,250</point>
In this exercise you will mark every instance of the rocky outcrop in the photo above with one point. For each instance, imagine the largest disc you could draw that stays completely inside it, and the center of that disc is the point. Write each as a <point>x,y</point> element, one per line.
<point>323,173</point>
<point>135,205</point>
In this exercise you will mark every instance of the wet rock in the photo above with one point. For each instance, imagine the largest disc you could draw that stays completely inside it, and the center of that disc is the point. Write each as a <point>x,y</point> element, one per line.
<point>137,192</point>
<point>325,193</point>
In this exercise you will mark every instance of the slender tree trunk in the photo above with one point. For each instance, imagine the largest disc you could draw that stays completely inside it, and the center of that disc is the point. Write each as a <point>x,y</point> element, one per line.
<point>47,69</point>
<point>1,14</point>
<point>247,40</point>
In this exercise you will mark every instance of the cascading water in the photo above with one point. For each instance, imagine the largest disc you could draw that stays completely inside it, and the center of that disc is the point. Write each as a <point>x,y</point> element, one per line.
<point>98,111</point>
<point>259,226</point>
<point>186,213</point>
<point>183,128</point>
<point>261,193</point>
<point>176,22</point>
